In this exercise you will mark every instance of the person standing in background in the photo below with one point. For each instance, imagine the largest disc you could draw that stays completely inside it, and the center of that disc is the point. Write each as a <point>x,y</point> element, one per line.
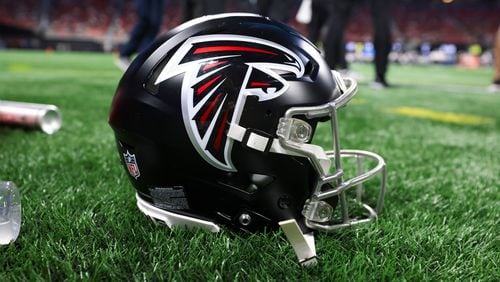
<point>150,16</point>
<point>190,9</point>
<point>333,42</point>
<point>381,16</point>
<point>495,86</point>
<point>334,45</point>
<point>319,18</point>
<point>212,7</point>
<point>279,10</point>
<point>196,8</point>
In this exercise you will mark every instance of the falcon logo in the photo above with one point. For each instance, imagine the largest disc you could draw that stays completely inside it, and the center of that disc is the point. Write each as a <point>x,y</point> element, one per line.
<point>220,71</point>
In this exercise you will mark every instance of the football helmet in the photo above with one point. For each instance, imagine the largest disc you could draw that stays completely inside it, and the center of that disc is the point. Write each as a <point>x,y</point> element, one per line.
<point>214,124</point>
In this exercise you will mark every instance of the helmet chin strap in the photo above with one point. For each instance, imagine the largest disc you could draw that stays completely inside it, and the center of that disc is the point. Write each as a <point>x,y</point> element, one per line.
<point>303,244</point>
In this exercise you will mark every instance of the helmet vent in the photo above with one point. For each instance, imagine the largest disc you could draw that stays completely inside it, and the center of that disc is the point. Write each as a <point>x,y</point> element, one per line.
<point>311,70</point>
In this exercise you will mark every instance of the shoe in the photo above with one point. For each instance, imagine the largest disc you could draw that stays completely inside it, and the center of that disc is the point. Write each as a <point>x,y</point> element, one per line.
<point>122,63</point>
<point>379,84</point>
<point>350,73</point>
<point>494,88</point>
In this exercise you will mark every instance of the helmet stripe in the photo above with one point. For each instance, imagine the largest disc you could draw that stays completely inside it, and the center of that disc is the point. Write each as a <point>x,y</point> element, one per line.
<point>213,49</point>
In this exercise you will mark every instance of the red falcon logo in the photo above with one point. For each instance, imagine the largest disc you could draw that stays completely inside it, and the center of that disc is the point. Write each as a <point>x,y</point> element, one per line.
<point>220,71</point>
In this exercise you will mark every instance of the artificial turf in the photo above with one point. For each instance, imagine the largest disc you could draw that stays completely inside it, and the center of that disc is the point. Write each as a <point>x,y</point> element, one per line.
<point>440,220</point>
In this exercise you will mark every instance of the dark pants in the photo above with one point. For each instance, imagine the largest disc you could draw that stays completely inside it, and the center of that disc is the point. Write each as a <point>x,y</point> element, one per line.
<point>382,38</point>
<point>340,12</point>
<point>196,8</point>
<point>279,10</point>
<point>150,13</point>
<point>320,14</point>
<point>334,41</point>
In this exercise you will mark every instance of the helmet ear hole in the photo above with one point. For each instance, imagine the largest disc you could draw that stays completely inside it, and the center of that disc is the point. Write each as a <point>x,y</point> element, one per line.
<point>261,180</point>
<point>284,202</point>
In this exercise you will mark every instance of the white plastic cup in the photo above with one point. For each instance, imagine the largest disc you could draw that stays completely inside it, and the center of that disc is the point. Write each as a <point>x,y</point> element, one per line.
<point>10,212</point>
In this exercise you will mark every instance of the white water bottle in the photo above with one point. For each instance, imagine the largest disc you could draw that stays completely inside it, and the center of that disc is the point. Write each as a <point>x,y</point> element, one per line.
<point>10,212</point>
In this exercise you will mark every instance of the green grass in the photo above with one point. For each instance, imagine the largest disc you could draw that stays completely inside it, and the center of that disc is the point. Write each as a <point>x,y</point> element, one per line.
<point>440,221</point>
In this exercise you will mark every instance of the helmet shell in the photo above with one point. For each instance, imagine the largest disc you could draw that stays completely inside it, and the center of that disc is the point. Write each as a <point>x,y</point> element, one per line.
<point>147,119</point>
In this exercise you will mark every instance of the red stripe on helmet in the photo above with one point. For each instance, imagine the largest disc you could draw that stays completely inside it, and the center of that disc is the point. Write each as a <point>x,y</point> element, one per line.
<point>207,84</point>
<point>210,108</point>
<point>220,132</point>
<point>259,84</point>
<point>212,49</point>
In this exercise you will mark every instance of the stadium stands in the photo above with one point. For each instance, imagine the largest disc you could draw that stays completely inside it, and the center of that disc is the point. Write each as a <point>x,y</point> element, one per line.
<point>465,23</point>
<point>20,13</point>
<point>69,18</point>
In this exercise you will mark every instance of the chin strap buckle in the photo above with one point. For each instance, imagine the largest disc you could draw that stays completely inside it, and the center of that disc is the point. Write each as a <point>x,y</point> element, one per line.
<point>303,244</point>
<point>251,138</point>
<point>257,140</point>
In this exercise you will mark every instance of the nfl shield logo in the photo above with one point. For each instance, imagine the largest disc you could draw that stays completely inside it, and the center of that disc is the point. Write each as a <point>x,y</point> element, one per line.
<point>132,166</point>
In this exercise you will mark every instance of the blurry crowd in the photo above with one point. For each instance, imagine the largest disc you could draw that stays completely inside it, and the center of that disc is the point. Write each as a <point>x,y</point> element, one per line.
<point>462,22</point>
<point>326,22</point>
<point>401,31</point>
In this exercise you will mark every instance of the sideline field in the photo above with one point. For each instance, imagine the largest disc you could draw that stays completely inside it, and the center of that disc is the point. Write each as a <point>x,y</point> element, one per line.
<point>440,220</point>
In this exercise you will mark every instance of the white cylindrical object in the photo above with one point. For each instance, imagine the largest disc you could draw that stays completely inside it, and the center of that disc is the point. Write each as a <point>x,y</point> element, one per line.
<point>10,212</point>
<point>44,117</point>
<point>304,13</point>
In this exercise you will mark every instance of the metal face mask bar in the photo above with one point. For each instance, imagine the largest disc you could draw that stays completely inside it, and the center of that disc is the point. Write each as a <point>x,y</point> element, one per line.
<point>317,212</point>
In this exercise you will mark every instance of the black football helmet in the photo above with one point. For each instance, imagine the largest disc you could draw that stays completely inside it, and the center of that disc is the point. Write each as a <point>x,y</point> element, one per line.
<point>214,124</point>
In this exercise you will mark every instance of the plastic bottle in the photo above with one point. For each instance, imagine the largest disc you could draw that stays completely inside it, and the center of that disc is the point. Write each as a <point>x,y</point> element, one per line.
<point>10,212</point>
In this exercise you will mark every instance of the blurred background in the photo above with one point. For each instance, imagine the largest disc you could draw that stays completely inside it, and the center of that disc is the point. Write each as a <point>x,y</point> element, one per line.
<point>429,31</point>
